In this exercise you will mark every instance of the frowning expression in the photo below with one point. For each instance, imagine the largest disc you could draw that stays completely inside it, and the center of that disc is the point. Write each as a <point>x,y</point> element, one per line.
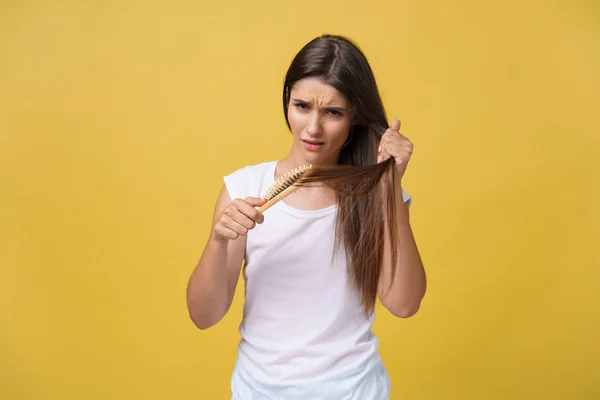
<point>320,121</point>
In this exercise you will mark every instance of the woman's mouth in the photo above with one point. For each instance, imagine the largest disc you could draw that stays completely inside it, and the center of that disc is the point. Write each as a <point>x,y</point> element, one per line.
<point>312,145</point>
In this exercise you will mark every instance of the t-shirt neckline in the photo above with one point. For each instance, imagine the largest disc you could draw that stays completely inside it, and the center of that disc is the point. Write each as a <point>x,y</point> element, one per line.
<point>293,210</point>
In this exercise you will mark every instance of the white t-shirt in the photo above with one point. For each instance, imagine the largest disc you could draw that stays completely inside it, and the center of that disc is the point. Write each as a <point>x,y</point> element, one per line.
<point>304,332</point>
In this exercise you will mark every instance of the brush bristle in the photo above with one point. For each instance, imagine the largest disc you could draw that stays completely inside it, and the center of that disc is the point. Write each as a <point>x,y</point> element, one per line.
<point>286,181</point>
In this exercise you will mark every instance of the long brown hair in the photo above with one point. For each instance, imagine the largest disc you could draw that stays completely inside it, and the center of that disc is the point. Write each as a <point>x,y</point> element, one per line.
<point>364,188</point>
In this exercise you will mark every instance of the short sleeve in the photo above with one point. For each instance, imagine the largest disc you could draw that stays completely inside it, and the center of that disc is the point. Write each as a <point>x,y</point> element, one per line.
<point>407,198</point>
<point>237,183</point>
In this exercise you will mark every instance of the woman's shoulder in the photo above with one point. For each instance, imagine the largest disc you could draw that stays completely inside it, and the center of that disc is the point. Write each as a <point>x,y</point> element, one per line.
<point>253,169</point>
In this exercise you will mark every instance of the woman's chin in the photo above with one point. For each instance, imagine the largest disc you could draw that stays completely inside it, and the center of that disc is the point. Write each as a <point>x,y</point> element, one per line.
<point>314,157</point>
<point>319,158</point>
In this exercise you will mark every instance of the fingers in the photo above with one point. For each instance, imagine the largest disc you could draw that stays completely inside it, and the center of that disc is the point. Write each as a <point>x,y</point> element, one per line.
<point>239,217</point>
<point>233,227</point>
<point>222,232</point>
<point>399,154</point>
<point>393,144</point>
<point>255,201</point>
<point>383,154</point>
<point>396,149</point>
<point>247,209</point>
<point>393,139</point>
<point>392,131</point>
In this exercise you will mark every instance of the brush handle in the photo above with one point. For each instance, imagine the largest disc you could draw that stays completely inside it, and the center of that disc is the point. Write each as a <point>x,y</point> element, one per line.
<point>277,198</point>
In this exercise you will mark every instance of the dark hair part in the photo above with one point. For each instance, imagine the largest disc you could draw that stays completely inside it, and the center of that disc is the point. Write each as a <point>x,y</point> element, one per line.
<point>364,188</point>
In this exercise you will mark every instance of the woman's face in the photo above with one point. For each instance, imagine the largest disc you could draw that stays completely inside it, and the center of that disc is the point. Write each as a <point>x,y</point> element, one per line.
<point>320,120</point>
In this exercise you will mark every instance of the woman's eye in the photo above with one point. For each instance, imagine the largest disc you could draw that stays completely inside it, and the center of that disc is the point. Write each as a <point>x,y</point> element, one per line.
<point>302,106</point>
<point>335,113</point>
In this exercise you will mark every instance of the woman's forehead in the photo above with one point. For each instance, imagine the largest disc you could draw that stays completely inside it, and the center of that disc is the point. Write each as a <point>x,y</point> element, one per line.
<point>313,89</point>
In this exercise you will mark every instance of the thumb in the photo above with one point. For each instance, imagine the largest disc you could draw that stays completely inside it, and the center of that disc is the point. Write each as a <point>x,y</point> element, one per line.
<point>395,125</point>
<point>255,201</point>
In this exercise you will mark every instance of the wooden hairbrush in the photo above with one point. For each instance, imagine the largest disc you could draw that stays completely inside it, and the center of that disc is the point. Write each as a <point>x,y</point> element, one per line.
<point>283,187</point>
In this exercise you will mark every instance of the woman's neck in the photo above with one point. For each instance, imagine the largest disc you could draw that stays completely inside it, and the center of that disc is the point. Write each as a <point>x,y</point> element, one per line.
<point>294,160</point>
<point>314,197</point>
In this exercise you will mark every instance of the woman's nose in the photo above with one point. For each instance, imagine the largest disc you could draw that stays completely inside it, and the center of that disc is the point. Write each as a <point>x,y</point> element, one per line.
<point>314,125</point>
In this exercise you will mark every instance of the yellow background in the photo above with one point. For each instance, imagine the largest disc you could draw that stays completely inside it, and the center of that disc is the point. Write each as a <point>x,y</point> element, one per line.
<point>119,118</point>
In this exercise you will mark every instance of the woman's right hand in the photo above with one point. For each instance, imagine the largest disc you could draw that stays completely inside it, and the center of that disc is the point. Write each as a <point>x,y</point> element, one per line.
<point>238,218</point>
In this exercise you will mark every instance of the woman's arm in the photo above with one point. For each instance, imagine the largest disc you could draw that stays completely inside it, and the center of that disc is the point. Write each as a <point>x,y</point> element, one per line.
<point>402,296</point>
<point>212,284</point>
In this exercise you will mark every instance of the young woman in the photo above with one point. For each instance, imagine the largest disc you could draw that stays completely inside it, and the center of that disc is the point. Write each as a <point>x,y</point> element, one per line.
<point>316,261</point>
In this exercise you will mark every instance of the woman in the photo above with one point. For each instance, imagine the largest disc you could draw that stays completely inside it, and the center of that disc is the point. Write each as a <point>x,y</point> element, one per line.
<point>308,313</point>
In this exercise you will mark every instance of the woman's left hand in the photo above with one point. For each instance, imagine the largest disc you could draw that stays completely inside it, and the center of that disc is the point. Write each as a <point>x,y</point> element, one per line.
<point>394,144</point>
